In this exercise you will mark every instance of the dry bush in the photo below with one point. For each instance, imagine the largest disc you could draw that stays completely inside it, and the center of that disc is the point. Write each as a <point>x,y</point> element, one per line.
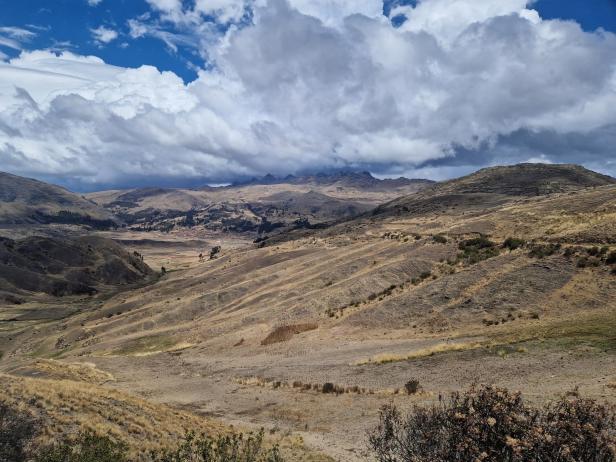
<point>411,387</point>
<point>493,425</point>
<point>285,333</point>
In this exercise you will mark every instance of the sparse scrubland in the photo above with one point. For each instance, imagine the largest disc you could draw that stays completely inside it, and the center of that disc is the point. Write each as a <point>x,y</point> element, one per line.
<point>506,277</point>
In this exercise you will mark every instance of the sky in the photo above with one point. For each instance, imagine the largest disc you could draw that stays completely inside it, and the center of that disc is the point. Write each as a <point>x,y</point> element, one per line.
<point>99,94</point>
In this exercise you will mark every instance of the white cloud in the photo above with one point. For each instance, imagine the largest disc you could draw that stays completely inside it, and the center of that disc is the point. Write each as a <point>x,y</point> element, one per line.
<point>94,2</point>
<point>297,90</point>
<point>14,37</point>
<point>446,19</point>
<point>104,35</point>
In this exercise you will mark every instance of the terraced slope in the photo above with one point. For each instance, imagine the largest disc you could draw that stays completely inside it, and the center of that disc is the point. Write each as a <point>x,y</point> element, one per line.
<point>519,291</point>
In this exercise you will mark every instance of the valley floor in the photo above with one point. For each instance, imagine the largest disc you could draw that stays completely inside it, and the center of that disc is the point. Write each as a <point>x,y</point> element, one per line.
<point>196,339</point>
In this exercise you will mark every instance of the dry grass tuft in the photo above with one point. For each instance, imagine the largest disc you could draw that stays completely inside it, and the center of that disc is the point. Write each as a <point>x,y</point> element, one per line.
<point>422,353</point>
<point>65,407</point>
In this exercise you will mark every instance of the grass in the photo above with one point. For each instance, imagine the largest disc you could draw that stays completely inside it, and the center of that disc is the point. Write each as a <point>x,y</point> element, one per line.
<point>51,369</point>
<point>440,348</point>
<point>65,407</point>
<point>595,330</point>
<point>149,345</point>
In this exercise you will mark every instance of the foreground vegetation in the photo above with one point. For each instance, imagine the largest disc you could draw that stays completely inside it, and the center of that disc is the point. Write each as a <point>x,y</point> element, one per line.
<point>18,443</point>
<point>493,425</point>
<point>485,424</point>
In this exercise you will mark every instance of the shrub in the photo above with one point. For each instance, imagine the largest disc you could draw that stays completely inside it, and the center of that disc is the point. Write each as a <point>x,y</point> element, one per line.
<point>214,252</point>
<point>543,250</point>
<point>611,258</point>
<point>439,239</point>
<point>593,251</point>
<point>329,387</point>
<point>16,431</point>
<point>411,387</point>
<point>513,243</point>
<point>227,448</point>
<point>476,250</point>
<point>88,447</point>
<point>492,425</point>
<point>582,262</point>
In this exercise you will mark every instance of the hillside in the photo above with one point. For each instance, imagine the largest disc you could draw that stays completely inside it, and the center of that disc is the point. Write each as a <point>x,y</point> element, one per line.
<point>61,267</point>
<point>258,206</point>
<point>496,185</point>
<point>28,201</point>
<point>483,279</point>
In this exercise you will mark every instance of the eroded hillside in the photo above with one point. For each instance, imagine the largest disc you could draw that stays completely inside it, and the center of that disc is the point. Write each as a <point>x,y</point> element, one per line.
<point>312,332</point>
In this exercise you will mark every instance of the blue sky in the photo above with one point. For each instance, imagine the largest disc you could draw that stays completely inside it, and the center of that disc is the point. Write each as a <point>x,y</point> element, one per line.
<point>68,24</point>
<point>121,93</point>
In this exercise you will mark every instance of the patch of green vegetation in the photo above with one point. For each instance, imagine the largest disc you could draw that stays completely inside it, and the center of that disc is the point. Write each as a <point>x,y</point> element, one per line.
<point>513,243</point>
<point>145,345</point>
<point>439,239</point>
<point>477,249</point>
<point>597,332</point>
<point>543,250</point>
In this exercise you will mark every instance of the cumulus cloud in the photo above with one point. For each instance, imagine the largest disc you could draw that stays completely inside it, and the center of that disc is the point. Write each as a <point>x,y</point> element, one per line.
<point>94,2</point>
<point>327,84</point>
<point>104,35</point>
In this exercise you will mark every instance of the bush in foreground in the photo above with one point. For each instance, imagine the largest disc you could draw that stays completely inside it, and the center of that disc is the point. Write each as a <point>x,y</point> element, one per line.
<point>18,432</point>
<point>88,447</point>
<point>227,448</point>
<point>492,425</point>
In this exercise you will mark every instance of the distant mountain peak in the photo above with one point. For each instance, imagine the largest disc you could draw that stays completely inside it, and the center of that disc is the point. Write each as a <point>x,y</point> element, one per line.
<point>342,178</point>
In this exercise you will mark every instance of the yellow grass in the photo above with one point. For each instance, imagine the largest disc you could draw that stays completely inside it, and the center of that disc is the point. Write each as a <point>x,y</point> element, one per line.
<point>65,407</point>
<point>51,369</point>
<point>422,353</point>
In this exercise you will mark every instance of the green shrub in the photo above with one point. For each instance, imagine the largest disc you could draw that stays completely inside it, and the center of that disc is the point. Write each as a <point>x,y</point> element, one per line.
<point>477,249</point>
<point>425,275</point>
<point>234,447</point>
<point>513,243</point>
<point>439,239</point>
<point>593,251</point>
<point>611,258</point>
<point>492,425</point>
<point>88,447</point>
<point>543,250</point>
<point>411,387</point>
